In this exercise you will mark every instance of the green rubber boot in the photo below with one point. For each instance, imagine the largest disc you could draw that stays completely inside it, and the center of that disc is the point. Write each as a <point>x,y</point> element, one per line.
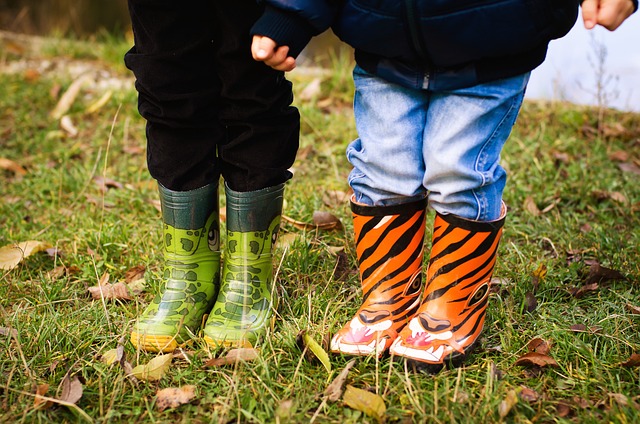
<point>191,276</point>
<point>244,306</point>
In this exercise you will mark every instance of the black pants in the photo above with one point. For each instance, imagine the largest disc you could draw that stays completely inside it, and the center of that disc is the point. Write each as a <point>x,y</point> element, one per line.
<point>211,110</point>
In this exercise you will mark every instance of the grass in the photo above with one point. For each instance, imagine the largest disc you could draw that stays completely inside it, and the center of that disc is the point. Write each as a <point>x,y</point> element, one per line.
<point>573,198</point>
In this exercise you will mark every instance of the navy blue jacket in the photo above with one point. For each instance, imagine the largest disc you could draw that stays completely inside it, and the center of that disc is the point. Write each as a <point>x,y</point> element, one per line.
<point>428,44</point>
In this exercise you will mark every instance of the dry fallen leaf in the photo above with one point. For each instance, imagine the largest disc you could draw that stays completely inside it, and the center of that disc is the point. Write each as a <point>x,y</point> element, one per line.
<point>285,411</point>
<point>539,345</point>
<point>12,166</point>
<point>113,355</point>
<point>154,369</point>
<point>507,403</point>
<point>528,395</point>
<point>233,356</point>
<point>366,402</point>
<point>67,125</point>
<point>12,255</point>
<point>633,361</point>
<point>326,220</point>
<point>135,273</point>
<point>6,331</point>
<point>579,328</point>
<point>117,291</point>
<point>173,397</point>
<point>600,274</point>
<point>531,207</point>
<point>334,391</point>
<point>67,99</point>
<point>530,301</point>
<point>632,309</point>
<point>39,401</point>
<point>534,359</point>
<point>71,390</point>
<point>98,104</point>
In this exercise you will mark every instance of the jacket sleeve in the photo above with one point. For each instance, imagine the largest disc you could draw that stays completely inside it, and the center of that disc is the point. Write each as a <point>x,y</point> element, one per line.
<point>292,23</point>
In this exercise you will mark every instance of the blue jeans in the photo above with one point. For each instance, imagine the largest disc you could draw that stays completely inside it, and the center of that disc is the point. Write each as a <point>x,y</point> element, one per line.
<point>445,144</point>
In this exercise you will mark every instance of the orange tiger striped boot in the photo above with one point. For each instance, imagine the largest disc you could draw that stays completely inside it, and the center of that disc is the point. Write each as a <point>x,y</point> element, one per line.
<point>450,318</point>
<point>389,246</point>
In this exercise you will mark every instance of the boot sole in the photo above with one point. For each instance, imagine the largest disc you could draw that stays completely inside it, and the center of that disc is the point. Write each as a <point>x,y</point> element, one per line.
<point>154,343</point>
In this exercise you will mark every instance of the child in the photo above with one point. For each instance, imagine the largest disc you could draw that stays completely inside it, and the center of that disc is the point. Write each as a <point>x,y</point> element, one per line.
<point>211,110</point>
<point>438,88</point>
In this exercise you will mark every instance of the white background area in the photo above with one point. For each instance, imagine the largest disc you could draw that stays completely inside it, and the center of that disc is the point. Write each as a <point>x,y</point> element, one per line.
<point>569,73</point>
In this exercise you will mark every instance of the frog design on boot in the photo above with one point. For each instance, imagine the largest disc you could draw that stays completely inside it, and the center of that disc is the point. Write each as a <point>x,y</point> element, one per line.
<point>243,309</point>
<point>191,247</point>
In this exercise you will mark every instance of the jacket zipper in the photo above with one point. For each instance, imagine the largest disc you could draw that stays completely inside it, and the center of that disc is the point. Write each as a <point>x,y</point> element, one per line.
<point>413,23</point>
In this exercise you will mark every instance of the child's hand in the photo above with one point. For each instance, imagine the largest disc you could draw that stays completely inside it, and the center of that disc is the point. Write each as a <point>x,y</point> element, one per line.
<point>607,13</point>
<point>264,49</point>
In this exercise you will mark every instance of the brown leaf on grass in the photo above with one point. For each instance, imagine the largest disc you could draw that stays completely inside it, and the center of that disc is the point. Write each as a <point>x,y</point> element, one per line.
<point>510,400</point>
<point>563,409</point>
<point>619,156</point>
<point>531,207</point>
<point>134,273</point>
<point>117,291</point>
<point>7,331</point>
<point>528,395</point>
<point>623,401</point>
<point>530,301</point>
<point>173,397</point>
<point>633,361</point>
<point>582,403</point>
<point>11,255</point>
<point>322,221</point>
<point>539,345</point>
<point>334,391</point>
<point>630,167</point>
<point>601,274</point>
<point>105,183</point>
<point>633,309</point>
<point>368,403</point>
<point>616,196</point>
<point>326,221</point>
<point>71,390</point>
<point>234,356</point>
<point>579,328</point>
<point>535,359</point>
<point>12,166</point>
<point>39,402</point>
<point>579,292</point>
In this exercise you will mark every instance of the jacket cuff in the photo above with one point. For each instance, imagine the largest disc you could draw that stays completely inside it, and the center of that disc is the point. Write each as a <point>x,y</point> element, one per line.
<point>285,28</point>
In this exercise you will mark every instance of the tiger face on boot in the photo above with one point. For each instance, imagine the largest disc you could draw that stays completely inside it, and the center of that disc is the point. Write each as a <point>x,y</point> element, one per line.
<point>450,319</point>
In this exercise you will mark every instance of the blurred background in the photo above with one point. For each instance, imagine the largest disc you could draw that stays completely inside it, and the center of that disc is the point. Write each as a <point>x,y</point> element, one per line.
<point>595,67</point>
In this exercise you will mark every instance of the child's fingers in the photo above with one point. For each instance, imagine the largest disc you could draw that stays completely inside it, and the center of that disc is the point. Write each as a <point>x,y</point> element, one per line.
<point>613,12</point>
<point>589,13</point>
<point>262,48</point>
<point>281,60</point>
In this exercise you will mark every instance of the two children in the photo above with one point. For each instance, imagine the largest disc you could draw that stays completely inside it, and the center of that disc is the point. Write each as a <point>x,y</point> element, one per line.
<point>439,86</point>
